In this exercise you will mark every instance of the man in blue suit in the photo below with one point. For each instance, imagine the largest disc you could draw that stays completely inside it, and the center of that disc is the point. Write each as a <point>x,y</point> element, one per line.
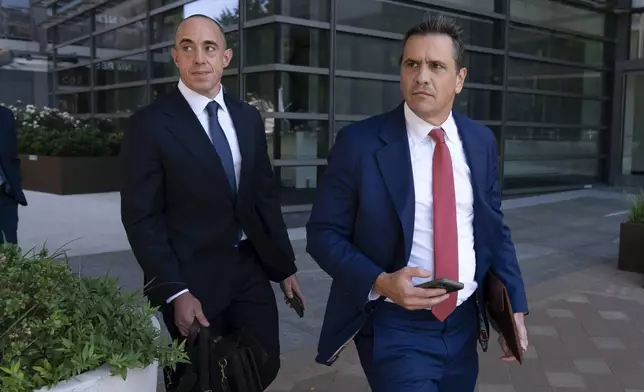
<point>10,184</point>
<point>408,196</point>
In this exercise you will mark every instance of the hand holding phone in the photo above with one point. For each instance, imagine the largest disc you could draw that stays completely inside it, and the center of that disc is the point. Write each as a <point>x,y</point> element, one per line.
<point>296,304</point>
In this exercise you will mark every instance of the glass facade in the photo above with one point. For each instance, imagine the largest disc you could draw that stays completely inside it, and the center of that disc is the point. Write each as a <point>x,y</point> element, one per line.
<point>539,74</point>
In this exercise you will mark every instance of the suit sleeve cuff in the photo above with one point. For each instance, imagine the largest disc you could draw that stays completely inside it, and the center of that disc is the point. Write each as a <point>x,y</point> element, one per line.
<point>176,295</point>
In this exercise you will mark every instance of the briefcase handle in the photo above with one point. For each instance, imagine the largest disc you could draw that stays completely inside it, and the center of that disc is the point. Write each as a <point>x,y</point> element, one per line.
<point>203,334</point>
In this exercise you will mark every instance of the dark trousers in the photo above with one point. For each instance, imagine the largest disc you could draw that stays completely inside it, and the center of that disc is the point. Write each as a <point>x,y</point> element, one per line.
<point>8,218</point>
<point>411,351</point>
<point>252,306</point>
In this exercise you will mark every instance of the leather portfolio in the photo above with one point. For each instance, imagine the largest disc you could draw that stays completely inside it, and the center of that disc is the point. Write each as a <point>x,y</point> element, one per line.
<point>228,363</point>
<point>500,314</point>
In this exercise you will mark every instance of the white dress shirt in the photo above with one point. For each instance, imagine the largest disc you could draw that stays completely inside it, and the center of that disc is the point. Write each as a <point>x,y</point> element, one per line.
<point>198,105</point>
<point>421,149</point>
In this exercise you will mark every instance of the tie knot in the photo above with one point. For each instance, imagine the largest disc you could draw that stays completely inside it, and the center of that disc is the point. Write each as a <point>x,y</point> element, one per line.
<point>212,108</point>
<point>438,134</point>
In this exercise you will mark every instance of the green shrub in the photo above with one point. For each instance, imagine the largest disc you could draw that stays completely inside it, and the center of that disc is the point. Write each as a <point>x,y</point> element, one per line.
<point>636,211</point>
<point>55,324</point>
<point>51,132</point>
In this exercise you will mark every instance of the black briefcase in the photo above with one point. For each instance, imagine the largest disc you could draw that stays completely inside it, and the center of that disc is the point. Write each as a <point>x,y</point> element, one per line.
<point>228,363</point>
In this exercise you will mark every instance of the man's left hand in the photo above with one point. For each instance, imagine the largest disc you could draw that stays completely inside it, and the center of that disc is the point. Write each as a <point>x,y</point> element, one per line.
<point>290,286</point>
<point>523,338</point>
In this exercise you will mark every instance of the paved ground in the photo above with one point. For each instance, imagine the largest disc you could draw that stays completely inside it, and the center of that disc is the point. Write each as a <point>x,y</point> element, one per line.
<point>586,323</point>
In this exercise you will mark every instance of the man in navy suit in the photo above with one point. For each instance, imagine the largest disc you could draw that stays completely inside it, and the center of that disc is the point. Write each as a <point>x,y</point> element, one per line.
<point>11,194</point>
<point>200,203</point>
<point>408,196</point>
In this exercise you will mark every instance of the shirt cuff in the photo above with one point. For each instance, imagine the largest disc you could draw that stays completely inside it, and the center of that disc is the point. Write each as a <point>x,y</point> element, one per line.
<point>176,295</point>
<point>373,296</point>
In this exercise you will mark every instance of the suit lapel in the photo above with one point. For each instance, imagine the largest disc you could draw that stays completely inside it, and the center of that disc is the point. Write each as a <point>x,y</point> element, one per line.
<point>394,162</point>
<point>474,154</point>
<point>244,130</point>
<point>187,129</point>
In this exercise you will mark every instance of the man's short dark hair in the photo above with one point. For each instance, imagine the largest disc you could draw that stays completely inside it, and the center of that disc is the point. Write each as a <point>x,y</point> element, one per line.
<point>440,24</point>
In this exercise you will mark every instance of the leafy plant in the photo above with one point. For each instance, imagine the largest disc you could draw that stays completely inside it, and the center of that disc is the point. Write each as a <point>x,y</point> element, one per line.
<point>55,325</point>
<point>51,132</point>
<point>636,211</point>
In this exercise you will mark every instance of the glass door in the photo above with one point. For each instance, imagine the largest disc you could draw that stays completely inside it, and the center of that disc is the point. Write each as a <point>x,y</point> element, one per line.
<point>633,146</point>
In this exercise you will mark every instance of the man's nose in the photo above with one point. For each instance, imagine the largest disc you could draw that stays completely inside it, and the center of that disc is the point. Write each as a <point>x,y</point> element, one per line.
<point>423,76</point>
<point>200,58</point>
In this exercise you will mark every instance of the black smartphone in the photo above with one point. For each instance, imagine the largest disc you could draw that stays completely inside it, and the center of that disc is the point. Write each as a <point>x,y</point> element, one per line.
<point>296,303</point>
<point>442,283</point>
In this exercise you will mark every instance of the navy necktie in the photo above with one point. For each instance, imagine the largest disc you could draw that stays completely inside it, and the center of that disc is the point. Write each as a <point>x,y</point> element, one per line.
<point>222,147</point>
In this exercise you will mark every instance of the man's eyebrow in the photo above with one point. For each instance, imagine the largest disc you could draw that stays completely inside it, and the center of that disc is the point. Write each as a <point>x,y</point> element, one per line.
<point>186,41</point>
<point>213,43</point>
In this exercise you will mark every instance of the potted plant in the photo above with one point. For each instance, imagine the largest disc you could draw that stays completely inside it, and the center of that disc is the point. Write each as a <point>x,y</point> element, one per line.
<point>631,237</point>
<point>61,154</point>
<point>63,332</point>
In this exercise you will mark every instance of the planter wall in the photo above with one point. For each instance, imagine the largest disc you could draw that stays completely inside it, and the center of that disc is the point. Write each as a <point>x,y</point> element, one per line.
<point>631,247</point>
<point>100,380</point>
<point>69,175</point>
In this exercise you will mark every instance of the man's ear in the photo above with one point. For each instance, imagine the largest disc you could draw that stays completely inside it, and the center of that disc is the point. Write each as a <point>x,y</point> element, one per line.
<point>228,56</point>
<point>460,79</point>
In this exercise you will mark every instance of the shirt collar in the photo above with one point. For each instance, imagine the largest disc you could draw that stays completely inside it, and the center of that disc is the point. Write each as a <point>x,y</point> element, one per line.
<point>418,129</point>
<point>199,102</point>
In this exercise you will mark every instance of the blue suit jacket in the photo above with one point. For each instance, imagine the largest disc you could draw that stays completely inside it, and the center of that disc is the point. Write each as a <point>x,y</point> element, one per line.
<point>362,221</point>
<point>9,161</point>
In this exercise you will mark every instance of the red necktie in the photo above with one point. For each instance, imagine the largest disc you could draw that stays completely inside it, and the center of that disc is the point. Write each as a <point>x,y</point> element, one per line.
<point>445,232</point>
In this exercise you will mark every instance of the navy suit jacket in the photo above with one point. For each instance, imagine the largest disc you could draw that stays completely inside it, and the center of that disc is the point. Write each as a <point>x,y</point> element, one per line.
<point>362,221</point>
<point>9,161</point>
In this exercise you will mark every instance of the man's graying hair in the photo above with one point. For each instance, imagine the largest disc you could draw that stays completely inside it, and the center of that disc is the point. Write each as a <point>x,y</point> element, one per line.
<point>441,24</point>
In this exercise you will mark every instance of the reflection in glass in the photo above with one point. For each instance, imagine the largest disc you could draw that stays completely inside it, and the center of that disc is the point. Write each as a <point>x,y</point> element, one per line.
<point>539,143</point>
<point>559,110</point>
<point>556,46</point>
<point>74,54</point>
<point>298,139</point>
<point>15,22</point>
<point>231,85</point>
<point>303,9</point>
<point>164,25</point>
<point>127,69</point>
<point>637,36</point>
<point>125,100</point>
<point>159,90</point>
<point>558,15</point>
<point>298,46</point>
<point>77,103</point>
<point>74,78</point>
<point>367,54</point>
<point>115,42</point>
<point>526,174</point>
<point>633,142</point>
<point>481,105</point>
<point>298,184</point>
<point>73,29</point>
<point>365,97</point>
<point>398,18</point>
<point>287,92</point>
<point>120,13</point>
<point>551,77</point>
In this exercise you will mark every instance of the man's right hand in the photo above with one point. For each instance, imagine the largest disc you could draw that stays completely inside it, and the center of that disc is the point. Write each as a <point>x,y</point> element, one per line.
<point>186,309</point>
<point>399,288</point>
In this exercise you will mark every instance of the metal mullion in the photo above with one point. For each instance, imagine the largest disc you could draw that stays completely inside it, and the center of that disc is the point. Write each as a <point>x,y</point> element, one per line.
<point>169,7</point>
<point>148,52</point>
<point>241,82</point>
<point>271,19</point>
<point>119,56</point>
<point>559,94</point>
<point>296,116</point>
<point>541,158</point>
<point>332,72</point>
<point>161,45</point>
<point>447,7</point>
<point>547,60</point>
<point>117,86</point>
<point>92,68</point>
<point>72,41</point>
<point>118,26</point>
<point>571,33</point>
<point>85,64</point>
<point>285,68</point>
<point>530,124</point>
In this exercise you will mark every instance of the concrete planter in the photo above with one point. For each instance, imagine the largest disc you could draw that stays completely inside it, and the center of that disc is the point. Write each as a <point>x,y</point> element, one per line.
<point>100,380</point>
<point>631,247</point>
<point>69,175</point>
